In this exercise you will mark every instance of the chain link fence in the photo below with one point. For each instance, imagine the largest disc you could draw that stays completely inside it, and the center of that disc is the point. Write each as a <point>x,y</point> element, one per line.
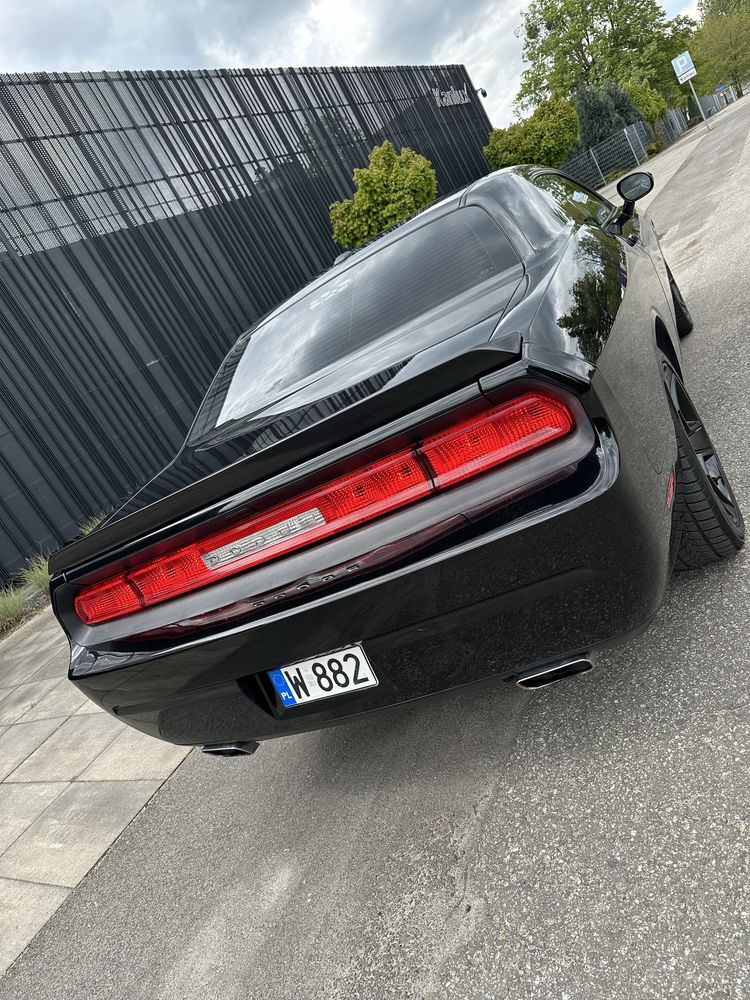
<point>711,103</point>
<point>671,126</point>
<point>629,147</point>
<point>598,165</point>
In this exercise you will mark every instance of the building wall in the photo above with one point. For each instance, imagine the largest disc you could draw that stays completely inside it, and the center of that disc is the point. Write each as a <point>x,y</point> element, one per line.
<point>146,219</point>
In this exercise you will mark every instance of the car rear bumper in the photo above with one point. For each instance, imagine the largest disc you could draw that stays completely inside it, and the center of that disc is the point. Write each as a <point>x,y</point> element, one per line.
<point>495,599</point>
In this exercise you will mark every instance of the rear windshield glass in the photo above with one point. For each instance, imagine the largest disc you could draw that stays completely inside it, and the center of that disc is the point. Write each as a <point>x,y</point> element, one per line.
<point>425,268</point>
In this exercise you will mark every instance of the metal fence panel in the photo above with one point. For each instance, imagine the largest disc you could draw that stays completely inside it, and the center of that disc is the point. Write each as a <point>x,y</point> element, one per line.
<point>627,148</point>
<point>146,219</point>
<point>671,126</point>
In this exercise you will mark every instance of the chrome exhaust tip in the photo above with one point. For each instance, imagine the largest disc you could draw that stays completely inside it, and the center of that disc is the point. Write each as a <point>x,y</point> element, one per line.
<point>230,749</point>
<point>551,673</point>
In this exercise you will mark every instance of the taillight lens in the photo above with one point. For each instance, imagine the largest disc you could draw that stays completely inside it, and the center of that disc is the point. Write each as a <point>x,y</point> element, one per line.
<point>113,598</point>
<point>472,447</point>
<point>330,510</point>
<point>499,435</point>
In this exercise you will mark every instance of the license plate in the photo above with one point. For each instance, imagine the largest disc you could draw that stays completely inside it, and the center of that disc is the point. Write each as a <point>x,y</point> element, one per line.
<point>341,672</point>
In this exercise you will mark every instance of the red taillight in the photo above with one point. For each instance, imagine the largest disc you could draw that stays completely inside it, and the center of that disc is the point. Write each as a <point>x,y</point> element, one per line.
<point>113,598</point>
<point>499,435</point>
<point>482,443</point>
<point>330,510</point>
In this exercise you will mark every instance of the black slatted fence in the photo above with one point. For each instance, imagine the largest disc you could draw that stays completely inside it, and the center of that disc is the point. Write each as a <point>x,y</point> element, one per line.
<point>146,219</point>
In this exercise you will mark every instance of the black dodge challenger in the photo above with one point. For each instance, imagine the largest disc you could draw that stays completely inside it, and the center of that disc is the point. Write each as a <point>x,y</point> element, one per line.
<point>466,451</point>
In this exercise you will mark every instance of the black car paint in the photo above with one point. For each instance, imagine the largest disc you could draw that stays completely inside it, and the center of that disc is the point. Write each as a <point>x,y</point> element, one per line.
<point>477,589</point>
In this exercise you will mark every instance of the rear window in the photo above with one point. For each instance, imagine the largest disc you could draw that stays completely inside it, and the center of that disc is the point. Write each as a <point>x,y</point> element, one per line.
<point>425,268</point>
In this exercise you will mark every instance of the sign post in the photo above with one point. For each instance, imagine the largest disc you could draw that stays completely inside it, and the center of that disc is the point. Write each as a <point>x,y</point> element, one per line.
<point>685,69</point>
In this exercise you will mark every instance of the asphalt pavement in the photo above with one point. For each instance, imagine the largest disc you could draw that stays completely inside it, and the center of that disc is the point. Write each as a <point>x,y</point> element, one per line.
<point>586,842</point>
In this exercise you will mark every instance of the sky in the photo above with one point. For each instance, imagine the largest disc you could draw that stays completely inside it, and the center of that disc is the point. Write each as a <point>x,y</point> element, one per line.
<point>76,35</point>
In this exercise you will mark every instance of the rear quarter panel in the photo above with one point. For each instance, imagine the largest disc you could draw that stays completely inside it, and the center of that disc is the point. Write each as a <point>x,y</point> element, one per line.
<point>601,305</point>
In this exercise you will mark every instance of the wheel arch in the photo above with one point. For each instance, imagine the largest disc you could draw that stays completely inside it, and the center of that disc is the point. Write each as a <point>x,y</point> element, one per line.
<point>665,344</point>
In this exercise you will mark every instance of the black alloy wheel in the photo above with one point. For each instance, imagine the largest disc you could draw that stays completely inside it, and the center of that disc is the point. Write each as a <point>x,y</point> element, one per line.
<point>706,519</point>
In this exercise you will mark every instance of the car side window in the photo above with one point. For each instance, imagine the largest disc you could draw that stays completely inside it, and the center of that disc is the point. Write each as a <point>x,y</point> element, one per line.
<point>577,202</point>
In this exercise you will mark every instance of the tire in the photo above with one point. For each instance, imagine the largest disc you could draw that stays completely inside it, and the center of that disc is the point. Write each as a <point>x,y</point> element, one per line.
<point>707,523</point>
<point>681,312</point>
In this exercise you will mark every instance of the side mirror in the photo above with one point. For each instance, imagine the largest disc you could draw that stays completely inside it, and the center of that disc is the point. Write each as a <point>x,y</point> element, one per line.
<point>630,189</point>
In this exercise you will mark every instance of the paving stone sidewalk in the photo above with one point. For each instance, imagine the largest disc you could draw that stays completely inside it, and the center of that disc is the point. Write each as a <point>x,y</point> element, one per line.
<point>71,779</point>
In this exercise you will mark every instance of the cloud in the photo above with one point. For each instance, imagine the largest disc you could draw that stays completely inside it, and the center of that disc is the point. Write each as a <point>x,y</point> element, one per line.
<point>407,31</point>
<point>492,54</point>
<point>687,7</point>
<point>199,34</point>
<point>690,10</point>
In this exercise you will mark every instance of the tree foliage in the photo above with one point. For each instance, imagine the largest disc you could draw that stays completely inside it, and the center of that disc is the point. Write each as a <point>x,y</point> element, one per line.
<point>597,116</point>
<point>623,103</point>
<point>603,112</point>
<point>723,42</point>
<point>545,137</point>
<point>647,100</point>
<point>569,44</point>
<point>679,35</point>
<point>390,189</point>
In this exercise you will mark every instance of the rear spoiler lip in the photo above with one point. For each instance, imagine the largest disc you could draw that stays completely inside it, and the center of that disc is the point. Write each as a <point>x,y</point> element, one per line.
<point>389,404</point>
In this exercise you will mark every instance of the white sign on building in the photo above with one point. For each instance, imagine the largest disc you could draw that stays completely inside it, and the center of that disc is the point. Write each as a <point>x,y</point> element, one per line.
<point>448,98</point>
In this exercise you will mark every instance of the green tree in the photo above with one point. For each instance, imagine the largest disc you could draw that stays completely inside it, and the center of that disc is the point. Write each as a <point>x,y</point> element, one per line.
<point>623,103</point>
<point>573,43</point>
<point>393,187</point>
<point>545,137</point>
<point>598,115</point>
<point>647,100</point>
<point>723,42</point>
<point>678,36</point>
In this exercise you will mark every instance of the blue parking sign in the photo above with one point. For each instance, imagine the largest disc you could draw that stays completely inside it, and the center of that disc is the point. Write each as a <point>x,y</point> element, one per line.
<point>684,67</point>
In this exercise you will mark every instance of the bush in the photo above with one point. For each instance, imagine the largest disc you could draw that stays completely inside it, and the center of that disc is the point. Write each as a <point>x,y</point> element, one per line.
<point>598,116</point>
<point>12,608</point>
<point>37,575</point>
<point>389,190</point>
<point>623,103</point>
<point>648,101</point>
<point>544,138</point>
<point>693,112</point>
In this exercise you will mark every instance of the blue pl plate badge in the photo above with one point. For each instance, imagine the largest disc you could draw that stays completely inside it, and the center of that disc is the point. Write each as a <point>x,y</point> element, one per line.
<point>279,682</point>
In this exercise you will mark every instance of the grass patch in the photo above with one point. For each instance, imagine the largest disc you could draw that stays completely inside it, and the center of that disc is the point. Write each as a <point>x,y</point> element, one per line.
<point>12,608</point>
<point>36,573</point>
<point>93,522</point>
